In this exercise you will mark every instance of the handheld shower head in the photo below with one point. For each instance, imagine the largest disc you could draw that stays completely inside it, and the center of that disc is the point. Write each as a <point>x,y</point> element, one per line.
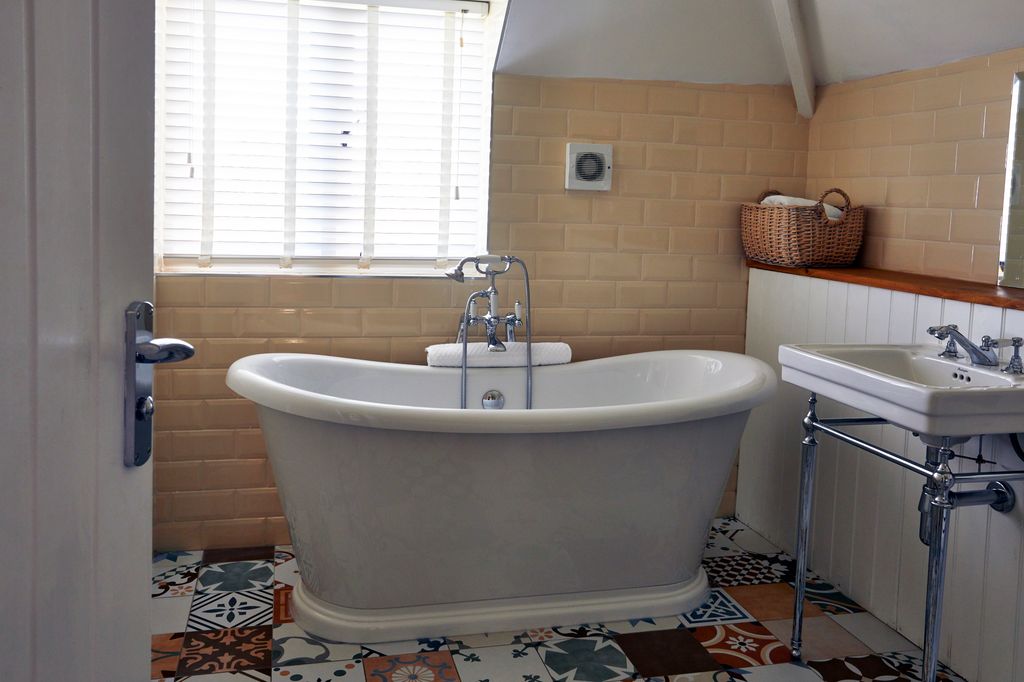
<point>455,273</point>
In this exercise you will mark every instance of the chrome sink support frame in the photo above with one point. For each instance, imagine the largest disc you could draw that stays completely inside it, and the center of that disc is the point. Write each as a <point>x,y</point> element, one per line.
<point>937,502</point>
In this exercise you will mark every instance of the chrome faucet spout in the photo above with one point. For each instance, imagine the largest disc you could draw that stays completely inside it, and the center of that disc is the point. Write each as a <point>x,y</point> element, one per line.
<point>493,344</point>
<point>984,355</point>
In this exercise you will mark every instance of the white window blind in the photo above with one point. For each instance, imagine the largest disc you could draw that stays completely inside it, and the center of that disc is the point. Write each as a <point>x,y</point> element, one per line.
<point>292,132</point>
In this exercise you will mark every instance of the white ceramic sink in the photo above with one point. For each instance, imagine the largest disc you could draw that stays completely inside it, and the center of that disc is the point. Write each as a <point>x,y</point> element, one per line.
<point>910,386</point>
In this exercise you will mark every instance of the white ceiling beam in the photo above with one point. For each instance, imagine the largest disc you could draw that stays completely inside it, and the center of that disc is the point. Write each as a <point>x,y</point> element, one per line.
<point>798,60</point>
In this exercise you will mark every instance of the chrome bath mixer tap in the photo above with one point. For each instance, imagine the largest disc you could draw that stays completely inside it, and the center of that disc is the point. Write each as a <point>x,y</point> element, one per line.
<point>492,319</point>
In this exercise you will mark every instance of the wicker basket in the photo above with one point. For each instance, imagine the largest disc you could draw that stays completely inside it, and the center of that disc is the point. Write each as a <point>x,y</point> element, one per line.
<point>802,236</point>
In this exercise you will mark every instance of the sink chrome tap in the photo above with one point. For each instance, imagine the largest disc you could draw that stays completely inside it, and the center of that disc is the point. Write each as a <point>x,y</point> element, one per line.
<point>984,355</point>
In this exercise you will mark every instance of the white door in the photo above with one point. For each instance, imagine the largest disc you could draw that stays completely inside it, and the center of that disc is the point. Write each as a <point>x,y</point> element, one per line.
<point>76,168</point>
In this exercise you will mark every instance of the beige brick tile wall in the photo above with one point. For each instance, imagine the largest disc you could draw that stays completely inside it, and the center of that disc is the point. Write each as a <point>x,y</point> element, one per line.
<point>925,152</point>
<point>653,264</point>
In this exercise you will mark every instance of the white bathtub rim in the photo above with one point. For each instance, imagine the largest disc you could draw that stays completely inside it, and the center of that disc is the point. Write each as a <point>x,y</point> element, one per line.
<point>245,379</point>
<point>343,624</point>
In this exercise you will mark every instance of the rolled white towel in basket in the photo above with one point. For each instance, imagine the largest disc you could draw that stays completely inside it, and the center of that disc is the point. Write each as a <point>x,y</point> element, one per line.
<point>778,200</point>
<point>477,355</point>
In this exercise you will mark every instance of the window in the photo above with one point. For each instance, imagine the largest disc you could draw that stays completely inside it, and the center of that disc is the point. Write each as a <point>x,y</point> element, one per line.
<point>320,135</point>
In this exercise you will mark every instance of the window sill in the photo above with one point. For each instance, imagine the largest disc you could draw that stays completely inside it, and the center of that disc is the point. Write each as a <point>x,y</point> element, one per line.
<point>382,269</point>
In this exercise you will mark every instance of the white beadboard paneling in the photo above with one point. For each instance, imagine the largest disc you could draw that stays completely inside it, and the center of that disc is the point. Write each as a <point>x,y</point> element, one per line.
<point>1006,548</point>
<point>793,329</point>
<point>929,313</point>
<point>879,307</point>
<point>970,534</point>
<point>958,313</point>
<point>865,525</point>
<point>870,470</point>
<point>816,310</point>
<point>789,323</point>
<point>835,312</point>
<point>848,458</point>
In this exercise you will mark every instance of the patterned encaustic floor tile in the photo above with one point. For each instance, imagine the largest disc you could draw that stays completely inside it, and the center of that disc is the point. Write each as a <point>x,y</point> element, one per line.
<point>240,676</point>
<point>164,652</point>
<point>224,616</point>
<point>163,561</point>
<point>568,632</point>
<point>424,645</point>
<point>218,610</point>
<point>541,634</point>
<point>286,567</point>
<point>750,541</point>
<point>666,652</point>
<point>514,663</point>
<point>823,638</point>
<point>730,536</point>
<point>514,637</point>
<point>785,672</point>
<point>230,650</point>
<point>622,627</point>
<point>736,645</point>
<point>911,666</point>
<point>728,526</point>
<point>319,672</point>
<point>176,582</point>
<point>175,573</point>
<point>169,615</point>
<point>586,659</point>
<point>719,608</point>
<point>769,602</point>
<point>875,634</point>
<point>424,666</point>
<point>293,647</point>
<point>283,605</point>
<point>828,599</point>
<point>720,544</point>
<point>869,668</point>
<point>235,576</point>
<point>745,569</point>
<point>899,667</point>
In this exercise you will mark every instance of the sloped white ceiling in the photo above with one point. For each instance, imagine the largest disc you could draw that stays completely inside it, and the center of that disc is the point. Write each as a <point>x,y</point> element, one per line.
<point>736,41</point>
<point>860,38</point>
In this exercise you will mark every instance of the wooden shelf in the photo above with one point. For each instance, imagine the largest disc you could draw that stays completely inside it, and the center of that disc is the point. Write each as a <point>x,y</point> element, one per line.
<point>925,285</point>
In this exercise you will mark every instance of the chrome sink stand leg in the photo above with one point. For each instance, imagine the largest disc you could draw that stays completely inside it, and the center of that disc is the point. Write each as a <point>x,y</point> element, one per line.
<point>939,507</point>
<point>936,503</point>
<point>808,452</point>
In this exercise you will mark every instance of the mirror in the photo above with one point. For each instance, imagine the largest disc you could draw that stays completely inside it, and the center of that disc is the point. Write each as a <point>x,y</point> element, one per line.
<point>1011,228</point>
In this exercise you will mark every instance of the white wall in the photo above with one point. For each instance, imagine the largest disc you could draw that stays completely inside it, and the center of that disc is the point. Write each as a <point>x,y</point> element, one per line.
<point>864,533</point>
<point>737,41</point>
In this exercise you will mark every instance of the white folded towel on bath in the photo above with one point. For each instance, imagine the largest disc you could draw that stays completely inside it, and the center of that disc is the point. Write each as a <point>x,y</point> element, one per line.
<point>779,200</point>
<point>477,355</point>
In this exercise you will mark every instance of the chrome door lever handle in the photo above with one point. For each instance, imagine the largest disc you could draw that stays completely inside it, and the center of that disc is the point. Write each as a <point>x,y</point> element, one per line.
<point>156,351</point>
<point>142,351</point>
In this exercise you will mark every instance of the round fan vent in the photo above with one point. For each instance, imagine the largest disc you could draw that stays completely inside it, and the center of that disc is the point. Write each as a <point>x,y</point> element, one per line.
<point>590,166</point>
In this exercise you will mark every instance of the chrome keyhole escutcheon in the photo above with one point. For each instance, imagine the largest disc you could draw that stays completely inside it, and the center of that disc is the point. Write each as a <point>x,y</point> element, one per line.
<point>145,408</point>
<point>493,400</point>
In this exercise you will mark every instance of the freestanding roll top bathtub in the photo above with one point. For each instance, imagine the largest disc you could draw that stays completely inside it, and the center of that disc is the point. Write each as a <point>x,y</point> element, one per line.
<point>413,518</point>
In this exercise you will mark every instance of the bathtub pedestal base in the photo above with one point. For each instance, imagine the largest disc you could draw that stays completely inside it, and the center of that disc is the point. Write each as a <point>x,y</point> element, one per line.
<point>344,624</point>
